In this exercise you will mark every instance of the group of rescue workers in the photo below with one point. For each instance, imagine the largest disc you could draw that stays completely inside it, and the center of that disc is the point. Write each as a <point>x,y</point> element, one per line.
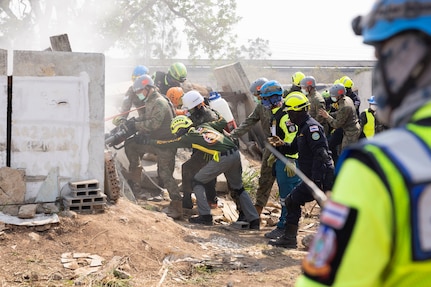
<point>375,227</point>
<point>170,119</point>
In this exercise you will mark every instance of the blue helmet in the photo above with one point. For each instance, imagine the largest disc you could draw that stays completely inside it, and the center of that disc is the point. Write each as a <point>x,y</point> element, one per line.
<point>372,101</point>
<point>139,71</point>
<point>271,93</point>
<point>390,17</point>
<point>271,88</point>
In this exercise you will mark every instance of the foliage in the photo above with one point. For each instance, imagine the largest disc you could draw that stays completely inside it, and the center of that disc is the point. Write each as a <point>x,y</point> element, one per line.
<point>257,49</point>
<point>142,28</point>
<point>250,179</point>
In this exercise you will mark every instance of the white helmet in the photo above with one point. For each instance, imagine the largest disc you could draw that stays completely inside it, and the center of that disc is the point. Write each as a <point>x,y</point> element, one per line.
<point>191,99</point>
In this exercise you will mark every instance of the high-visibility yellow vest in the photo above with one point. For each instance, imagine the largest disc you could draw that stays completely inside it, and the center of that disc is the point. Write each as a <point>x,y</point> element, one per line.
<point>369,127</point>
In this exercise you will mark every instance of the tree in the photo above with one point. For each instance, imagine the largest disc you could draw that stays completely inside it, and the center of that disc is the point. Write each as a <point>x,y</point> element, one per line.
<point>145,28</point>
<point>257,49</point>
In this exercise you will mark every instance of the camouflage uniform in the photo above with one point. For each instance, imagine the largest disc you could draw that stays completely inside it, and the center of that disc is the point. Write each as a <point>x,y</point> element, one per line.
<point>130,99</point>
<point>345,117</point>
<point>155,124</point>
<point>317,102</point>
<point>266,179</point>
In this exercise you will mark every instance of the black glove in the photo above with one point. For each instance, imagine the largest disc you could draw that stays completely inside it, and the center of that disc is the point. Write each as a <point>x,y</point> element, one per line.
<point>142,139</point>
<point>130,125</point>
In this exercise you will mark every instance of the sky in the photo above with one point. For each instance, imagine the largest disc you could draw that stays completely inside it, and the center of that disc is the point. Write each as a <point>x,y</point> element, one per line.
<point>306,29</point>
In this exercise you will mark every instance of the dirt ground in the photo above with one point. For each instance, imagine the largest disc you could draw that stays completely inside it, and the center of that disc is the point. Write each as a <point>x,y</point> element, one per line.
<point>141,244</point>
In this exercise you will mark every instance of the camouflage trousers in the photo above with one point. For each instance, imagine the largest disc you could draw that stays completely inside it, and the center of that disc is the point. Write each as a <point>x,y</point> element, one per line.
<point>165,164</point>
<point>266,180</point>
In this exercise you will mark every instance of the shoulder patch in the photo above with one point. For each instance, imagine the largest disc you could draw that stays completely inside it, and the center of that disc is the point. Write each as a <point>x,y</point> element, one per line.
<point>314,128</point>
<point>330,242</point>
<point>315,136</point>
<point>334,214</point>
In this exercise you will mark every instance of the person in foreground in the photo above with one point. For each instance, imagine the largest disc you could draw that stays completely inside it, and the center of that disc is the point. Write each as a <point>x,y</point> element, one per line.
<point>376,228</point>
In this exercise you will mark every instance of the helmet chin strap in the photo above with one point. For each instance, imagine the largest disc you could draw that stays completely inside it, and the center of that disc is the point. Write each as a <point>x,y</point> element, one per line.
<point>395,98</point>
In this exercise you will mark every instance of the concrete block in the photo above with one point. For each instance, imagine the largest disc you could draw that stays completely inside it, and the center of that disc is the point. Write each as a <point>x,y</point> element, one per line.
<point>85,184</point>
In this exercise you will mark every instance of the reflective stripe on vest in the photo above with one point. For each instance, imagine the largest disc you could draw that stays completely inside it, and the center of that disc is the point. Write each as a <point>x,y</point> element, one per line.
<point>414,167</point>
<point>369,127</point>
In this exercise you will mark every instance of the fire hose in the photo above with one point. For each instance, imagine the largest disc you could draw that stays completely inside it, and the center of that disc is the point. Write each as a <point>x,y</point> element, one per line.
<point>317,193</point>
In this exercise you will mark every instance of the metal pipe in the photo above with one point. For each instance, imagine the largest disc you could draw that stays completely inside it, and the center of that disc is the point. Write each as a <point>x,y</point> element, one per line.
<point>317,193</point>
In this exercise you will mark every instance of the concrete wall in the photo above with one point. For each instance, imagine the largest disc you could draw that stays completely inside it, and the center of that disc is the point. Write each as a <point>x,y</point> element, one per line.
<point>57,119</point>
<point>3,105</point>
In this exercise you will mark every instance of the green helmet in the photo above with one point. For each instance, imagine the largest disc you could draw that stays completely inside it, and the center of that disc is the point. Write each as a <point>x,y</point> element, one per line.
<point>326,94</point>
<point>178,72</point>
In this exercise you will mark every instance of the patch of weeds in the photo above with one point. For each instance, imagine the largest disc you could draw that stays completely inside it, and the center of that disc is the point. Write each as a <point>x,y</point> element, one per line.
<point>150,207</point>
<point>250,180</point>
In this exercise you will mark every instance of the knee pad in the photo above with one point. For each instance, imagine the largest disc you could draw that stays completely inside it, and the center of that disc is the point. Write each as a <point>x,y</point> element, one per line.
<point>236,193</point>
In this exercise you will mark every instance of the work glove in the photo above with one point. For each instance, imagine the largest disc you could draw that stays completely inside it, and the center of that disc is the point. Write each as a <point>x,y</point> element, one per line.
<point>118,121</point>
<point>271,159</point>
<point>142,139</point>
<point>129,126</point>
<point>275,141</point>
<point>290,167</point>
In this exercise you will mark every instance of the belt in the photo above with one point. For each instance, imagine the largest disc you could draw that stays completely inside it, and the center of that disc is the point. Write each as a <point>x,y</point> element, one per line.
<point>228,152</point>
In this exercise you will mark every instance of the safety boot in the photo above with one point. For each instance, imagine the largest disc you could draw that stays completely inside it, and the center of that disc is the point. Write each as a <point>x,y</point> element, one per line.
<point>258,209</point>
<point>133,178</point>
<point>174,210</point>
<point>288,240</point>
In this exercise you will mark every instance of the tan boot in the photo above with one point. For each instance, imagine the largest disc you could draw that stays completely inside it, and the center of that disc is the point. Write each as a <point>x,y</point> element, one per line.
<point>175,209</point>
<point>134,174</point>
<point>133,177</point>
<point>258,209</point>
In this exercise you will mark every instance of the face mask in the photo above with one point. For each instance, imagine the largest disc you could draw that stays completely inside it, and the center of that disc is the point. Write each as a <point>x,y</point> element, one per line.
<point>304,91</point>
<point>373,108</point>
<point>141,96</point>
<point>334,99</point>
<point>257,100</point>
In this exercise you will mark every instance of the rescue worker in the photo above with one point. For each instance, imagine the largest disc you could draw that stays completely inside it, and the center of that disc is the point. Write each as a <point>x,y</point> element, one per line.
<point>154,124</point>
<point>384,241</point>
<point>308,88</point>
<point>370,125</point>
<point>296,83</point>
<point>225,158</point>
<point>348,84</point>
<point>314,161</point>
<point>130,98</point>
<point>175,76</point>
<point>345,117</point>
<point>175,94</point>
<point>260,113</point>
<point>281,128</point>
<point>199,113</point>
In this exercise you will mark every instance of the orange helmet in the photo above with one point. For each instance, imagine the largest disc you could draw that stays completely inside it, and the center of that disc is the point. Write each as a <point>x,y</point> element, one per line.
<point>174,94</point>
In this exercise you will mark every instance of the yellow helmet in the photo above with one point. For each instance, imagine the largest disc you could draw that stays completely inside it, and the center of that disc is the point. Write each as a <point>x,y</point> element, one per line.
<point>337,81</point>
<point>297,77</point>
<point>297,101</point>
<point>174,94</point>
<point>180,125</point>
<point>347,82</point>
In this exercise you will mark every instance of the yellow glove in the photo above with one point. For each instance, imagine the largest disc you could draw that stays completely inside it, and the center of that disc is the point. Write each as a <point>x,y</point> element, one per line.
<point>271,159</point>
<point>118,120</point>
<point>290,168</point>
